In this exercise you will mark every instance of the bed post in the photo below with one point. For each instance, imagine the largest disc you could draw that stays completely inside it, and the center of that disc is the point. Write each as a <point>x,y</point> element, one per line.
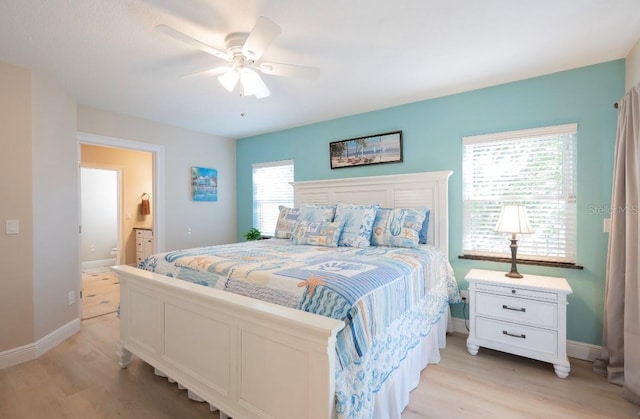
<point>124,356</point>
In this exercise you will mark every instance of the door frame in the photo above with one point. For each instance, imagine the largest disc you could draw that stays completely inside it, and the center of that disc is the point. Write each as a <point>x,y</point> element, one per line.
<point>158,188</point>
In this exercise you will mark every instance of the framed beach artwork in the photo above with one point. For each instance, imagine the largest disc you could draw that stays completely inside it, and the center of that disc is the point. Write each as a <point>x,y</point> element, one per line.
<point>373,149</point>
<point>204,184</point>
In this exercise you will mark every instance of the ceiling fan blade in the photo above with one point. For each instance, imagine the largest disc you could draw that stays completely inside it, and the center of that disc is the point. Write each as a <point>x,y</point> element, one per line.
<point>261,36</point>
<point>216,71</point>
<point>183,37</point>
<point>289,70</point>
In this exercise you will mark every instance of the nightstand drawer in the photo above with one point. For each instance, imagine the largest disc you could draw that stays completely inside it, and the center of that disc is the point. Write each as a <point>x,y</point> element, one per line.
<point>518,292</point>
<point>509,335</point>
<point>518,310</point>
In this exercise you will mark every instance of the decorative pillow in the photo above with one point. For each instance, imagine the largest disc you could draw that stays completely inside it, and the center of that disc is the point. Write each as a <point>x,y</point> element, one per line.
<point>425,227</point>
<point>286,222</point>
<point>317,213</point>
<point>358,222</point>
<point>317,234</point>
<point>399,227</point>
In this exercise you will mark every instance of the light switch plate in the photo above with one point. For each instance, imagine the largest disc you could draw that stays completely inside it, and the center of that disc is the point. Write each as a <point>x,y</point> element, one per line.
<point>12,226</point>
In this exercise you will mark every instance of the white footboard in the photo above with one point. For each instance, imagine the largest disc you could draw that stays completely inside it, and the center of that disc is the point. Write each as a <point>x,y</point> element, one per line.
<point>249,358</point>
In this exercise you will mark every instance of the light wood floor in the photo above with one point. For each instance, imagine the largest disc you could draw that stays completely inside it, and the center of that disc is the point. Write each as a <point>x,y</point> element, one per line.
<point>80,378</point>
<point>100,293</point>
<point>493,384</point>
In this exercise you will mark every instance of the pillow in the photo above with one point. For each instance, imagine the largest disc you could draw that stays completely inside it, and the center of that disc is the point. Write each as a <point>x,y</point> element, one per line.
<point>358,223</point>
<point>399,227</point>
<point>286,222</point>
<point>317,213</point>
<point>425,227</point>
<point>317,234</point>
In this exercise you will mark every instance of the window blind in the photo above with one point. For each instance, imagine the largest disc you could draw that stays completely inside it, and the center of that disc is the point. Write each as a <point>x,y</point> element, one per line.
<point>271,188</point>
<point>536,168</point>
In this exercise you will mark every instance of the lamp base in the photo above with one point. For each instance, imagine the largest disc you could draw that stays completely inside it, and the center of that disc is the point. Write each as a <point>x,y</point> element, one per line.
<point>514,248</point>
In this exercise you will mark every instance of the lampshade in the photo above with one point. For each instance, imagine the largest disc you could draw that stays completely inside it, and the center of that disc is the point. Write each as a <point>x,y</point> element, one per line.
<point>252,83</point>
<point>513,219</point>
<point>229,79</point>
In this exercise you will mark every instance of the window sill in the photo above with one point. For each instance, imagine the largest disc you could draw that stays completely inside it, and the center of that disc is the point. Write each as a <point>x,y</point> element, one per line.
<point>564,265</point>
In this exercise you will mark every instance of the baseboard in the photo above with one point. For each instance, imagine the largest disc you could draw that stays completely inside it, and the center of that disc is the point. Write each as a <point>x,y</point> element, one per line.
<point>581,350</point>
<point>92,264</point>
<point>57,336</point>
<point>32,351</point>
<point>460,325</point>
<point>17,356</point>
<point>578,350</point>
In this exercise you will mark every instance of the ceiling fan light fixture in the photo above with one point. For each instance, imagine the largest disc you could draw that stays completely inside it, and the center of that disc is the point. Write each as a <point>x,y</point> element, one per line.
<point>229,80</point>
<point>252,83</point>
<point>244,52</point>
<point>263,92</point>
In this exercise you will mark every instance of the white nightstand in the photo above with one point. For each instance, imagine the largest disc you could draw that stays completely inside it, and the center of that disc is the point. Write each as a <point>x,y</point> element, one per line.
<point>526,316</point>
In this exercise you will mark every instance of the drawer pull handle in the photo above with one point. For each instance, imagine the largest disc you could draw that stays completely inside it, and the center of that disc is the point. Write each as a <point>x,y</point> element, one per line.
<point>521,336</point>
<point>506,307</point>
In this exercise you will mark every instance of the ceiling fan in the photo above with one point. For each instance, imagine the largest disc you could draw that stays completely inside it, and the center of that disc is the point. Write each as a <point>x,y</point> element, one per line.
<point>244,54</point>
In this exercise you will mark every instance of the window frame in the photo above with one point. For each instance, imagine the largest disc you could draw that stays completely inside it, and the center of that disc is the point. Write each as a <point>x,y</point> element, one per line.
<point>269,207</point>
<point>479,241</point>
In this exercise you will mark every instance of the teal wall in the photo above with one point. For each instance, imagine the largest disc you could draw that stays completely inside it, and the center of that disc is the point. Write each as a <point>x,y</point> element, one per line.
<point>432,137</point>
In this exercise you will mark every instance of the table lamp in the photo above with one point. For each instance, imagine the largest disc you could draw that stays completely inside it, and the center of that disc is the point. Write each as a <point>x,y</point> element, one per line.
<point>513,219</point>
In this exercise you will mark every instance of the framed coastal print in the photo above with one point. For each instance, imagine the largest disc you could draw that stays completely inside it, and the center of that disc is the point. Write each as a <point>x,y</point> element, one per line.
<point>373,149</point>
<point>204,184</point>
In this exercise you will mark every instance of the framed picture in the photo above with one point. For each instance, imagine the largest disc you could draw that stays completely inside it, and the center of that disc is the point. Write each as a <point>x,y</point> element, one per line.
<point>204,184</point>
<point>373,149</point>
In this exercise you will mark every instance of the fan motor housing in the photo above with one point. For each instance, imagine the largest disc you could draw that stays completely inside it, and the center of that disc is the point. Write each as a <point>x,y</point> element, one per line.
<point>234,42</point>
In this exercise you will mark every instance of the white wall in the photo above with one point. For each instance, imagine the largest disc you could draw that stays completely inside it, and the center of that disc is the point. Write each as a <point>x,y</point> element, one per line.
<point>208,222</point>
<point>55,207</point>
<point>99,214</point>
<point>16,257</point>
<point>633,67</point>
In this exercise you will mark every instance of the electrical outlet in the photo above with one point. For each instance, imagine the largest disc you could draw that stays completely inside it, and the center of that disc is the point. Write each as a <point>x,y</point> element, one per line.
<point>464,294</point>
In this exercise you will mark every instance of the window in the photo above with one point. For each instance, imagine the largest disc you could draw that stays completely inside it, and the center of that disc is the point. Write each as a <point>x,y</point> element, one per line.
<point>271,188</point>
<point>535,168</point>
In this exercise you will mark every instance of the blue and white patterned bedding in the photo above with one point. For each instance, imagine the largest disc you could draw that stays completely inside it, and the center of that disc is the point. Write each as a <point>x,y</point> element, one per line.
<point>388,297</point>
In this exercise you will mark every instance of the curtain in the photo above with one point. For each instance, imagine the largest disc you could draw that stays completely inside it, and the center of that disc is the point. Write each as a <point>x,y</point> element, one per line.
<point>620,356</point>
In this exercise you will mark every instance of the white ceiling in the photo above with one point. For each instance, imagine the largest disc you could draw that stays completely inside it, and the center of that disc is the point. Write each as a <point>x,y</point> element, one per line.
<point>372,54</point>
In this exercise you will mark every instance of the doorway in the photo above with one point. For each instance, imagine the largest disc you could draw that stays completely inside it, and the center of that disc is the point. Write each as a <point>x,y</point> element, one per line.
<point>116,154</point>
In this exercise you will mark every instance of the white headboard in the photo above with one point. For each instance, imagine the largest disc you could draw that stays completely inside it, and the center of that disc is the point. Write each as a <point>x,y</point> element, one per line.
<point>426,189</point>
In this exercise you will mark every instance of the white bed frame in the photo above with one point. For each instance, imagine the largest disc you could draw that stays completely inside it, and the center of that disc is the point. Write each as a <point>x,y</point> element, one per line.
<point>248,358</point>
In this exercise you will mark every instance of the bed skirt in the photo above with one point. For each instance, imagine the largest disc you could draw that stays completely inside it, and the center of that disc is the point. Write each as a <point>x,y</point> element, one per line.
<point>393,397</point>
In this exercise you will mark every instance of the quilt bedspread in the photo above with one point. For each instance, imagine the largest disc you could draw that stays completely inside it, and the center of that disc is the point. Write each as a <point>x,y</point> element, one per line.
<point>367,288</point>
